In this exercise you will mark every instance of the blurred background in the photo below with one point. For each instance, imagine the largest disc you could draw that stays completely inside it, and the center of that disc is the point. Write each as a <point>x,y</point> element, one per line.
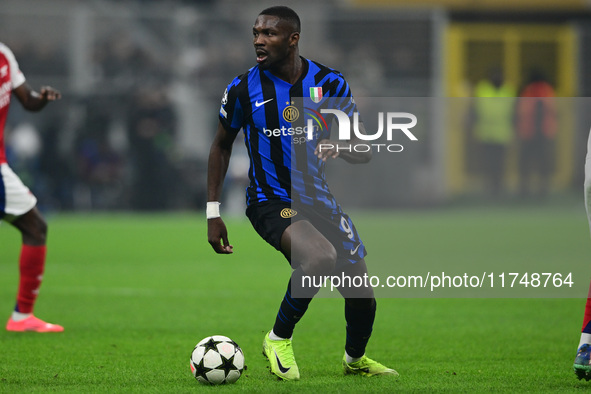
<point>142,80</point>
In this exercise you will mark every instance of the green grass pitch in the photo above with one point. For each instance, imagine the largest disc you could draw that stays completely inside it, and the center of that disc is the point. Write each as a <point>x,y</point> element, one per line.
<point>137,292</point>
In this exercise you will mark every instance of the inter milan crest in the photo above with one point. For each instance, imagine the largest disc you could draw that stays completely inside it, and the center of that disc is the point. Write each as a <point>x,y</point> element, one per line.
<point>291,114</point>
<point>287,213</point>
<point>316,94</point>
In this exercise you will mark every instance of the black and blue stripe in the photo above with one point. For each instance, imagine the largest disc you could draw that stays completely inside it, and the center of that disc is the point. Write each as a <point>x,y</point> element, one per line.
<point>277,167</point>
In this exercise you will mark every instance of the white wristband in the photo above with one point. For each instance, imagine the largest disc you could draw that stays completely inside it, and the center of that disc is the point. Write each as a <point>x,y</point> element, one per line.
<point>213,209</point>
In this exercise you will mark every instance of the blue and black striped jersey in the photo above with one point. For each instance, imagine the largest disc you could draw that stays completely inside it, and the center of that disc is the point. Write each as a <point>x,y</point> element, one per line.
<point>273,117</point>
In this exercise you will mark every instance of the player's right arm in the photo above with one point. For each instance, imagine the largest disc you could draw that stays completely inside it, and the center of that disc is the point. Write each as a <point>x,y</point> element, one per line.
<point>219,159</point>
<point>34,101</point>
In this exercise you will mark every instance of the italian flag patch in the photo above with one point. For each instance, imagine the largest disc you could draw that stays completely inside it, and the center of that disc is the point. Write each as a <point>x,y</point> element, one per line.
<point>316,94</point>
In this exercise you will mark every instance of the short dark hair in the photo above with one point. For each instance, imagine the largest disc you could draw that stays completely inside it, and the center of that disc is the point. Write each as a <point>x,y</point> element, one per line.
<point>285,13</point>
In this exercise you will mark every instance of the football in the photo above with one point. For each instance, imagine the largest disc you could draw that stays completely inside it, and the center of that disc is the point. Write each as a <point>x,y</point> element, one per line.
<point>217,360</point>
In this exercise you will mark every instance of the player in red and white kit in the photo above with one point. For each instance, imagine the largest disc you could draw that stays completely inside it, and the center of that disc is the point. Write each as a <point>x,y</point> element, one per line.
<point>582,364</point>
<point>17,203</point>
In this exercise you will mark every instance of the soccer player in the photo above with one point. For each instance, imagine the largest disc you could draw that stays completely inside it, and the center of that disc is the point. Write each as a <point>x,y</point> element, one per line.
<point>288,201</point>
<point>582,365</point>
<point>17,203</point>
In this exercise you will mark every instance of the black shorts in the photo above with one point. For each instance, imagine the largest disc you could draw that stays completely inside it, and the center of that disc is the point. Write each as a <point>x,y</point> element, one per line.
<point>271,218</point>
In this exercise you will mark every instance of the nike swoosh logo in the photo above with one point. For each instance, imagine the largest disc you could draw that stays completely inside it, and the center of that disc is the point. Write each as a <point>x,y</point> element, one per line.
<point>257,104</point>
<point>281,367</point>
<point>355,250</point>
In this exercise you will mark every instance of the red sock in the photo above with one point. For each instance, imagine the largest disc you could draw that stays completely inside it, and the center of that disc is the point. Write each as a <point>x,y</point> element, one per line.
<point>587,318</point>
<point>31,264</point>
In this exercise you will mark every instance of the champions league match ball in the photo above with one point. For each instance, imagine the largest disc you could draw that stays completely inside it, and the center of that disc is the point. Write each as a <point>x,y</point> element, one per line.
<point>217,360</point>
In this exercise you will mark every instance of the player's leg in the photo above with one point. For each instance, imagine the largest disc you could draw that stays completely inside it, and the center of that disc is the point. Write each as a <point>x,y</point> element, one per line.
<point>310,254</point>
<point>360,312</point>
<point>582,364</point>
<point>19,210</point>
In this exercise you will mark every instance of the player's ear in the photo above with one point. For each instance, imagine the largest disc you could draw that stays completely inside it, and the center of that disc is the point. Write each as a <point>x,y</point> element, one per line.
<point>294,38</point>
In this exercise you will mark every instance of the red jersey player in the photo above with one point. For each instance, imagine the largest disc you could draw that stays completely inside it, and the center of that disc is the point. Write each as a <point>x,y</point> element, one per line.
<point>582,364</point>
<point>17,203</point>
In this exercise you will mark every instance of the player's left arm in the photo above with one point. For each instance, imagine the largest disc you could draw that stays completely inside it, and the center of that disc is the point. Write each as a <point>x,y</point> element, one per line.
<point>331,149</point>
<point>34,101</point>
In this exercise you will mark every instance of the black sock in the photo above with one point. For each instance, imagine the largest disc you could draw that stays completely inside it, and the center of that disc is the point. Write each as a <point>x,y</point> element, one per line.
<point>292,309</point>
<point>360,314</point>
